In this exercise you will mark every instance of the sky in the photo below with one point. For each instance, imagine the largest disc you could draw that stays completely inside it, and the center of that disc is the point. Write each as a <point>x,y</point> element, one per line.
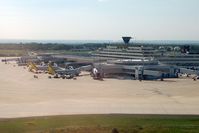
<point>99,19</point>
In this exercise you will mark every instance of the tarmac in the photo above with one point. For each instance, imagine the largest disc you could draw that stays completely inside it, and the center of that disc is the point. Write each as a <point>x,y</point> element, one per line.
<point>22,95</point>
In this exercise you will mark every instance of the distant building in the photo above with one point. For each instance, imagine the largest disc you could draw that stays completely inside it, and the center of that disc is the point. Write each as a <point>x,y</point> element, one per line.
<point>147,52</point>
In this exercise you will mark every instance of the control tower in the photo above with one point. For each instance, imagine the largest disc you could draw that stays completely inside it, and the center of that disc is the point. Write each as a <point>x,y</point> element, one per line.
<point>126,39</point>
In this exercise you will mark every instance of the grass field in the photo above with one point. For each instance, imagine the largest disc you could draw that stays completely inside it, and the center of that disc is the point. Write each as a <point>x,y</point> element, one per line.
<point>12,52</point>
<point>102,124</point>
<point>8,53</point>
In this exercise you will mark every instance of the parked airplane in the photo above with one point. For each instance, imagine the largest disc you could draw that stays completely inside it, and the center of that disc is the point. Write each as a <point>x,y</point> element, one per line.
<point>63,71</point>
<point>42,67</point>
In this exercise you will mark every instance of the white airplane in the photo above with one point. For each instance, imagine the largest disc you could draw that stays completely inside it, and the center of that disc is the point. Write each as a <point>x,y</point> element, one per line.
<point>63,71</point>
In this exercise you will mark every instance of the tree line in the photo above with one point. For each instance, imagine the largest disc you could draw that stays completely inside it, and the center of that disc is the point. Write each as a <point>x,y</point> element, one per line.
<point>50,46</point>
<point>88,46</point>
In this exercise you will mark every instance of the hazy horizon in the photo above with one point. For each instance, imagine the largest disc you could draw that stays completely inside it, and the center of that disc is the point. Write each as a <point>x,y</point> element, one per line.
<point>99,19</point>
<point>178,42</point>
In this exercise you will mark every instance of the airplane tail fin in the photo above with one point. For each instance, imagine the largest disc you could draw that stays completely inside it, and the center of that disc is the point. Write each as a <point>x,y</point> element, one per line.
<point>32,66</point>
<point>51,70</point>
